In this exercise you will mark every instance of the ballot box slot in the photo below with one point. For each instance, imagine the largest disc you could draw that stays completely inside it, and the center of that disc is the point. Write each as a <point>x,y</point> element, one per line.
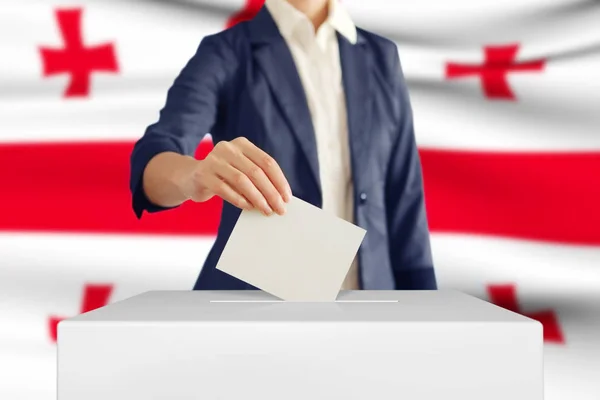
<point>282,301</point>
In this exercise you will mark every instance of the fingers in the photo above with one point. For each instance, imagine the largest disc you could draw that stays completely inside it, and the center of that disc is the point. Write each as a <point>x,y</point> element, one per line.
<point>242,184</point>
<point>231,164</point>
<point>244,175</point>
<point>226,192</point>
<point>268,165</point>
<point>257,178</point>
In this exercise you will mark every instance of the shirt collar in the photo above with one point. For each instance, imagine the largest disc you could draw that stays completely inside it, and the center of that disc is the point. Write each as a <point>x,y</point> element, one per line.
<point>287,17</point>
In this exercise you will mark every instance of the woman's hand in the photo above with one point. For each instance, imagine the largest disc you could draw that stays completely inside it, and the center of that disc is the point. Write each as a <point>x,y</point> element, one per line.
<point>241,174</point>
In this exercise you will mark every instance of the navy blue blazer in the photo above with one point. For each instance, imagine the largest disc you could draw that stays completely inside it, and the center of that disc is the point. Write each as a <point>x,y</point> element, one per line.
<point>243,82</point>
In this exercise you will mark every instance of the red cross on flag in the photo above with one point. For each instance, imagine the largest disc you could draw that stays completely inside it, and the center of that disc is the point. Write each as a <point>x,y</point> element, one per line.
<point>75,59</point>
<point>499,62</point>
<point>505,99</point>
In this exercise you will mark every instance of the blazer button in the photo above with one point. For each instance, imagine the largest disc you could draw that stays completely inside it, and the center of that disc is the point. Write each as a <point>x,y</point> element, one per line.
<point>363,198</point>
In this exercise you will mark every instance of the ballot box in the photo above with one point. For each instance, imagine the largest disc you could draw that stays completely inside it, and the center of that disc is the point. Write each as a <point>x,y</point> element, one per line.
<point>368,345</point>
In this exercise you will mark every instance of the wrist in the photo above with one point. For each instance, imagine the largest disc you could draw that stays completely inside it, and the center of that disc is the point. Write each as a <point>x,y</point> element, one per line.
<point>189,182</point>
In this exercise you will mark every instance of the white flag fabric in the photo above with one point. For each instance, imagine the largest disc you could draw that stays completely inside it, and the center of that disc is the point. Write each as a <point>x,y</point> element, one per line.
<point>507,117</point>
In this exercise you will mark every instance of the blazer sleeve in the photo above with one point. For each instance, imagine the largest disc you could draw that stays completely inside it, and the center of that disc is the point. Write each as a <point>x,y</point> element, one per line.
<point>410,248</point>
<point>190,112</point>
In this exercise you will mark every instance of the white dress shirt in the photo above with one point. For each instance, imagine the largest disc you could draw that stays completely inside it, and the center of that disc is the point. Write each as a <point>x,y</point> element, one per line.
<point>317,59</point>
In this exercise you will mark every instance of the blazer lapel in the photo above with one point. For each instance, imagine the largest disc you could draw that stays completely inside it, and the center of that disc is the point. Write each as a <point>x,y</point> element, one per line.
<point>275,59</point>
<point>356,76</point>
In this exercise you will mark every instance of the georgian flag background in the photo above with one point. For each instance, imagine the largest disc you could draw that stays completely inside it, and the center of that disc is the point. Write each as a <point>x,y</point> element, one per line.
<point>506,97</point>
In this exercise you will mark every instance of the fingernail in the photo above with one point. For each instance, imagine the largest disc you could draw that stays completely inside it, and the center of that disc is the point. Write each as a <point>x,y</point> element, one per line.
<point>281,207</point>
<point>288,194</point>
<point>267,210</point>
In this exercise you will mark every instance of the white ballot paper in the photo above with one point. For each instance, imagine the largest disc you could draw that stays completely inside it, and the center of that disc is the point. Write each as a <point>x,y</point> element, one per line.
<point>303,255</point>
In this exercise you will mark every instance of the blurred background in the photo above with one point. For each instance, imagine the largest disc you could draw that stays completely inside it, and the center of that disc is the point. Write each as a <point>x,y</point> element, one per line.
<point>506,97</point>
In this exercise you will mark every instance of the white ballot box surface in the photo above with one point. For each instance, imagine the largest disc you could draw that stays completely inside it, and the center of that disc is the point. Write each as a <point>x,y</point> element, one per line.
<point>368,345</point>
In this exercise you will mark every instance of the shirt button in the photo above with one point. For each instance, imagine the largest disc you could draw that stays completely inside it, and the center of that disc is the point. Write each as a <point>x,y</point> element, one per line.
<point>363,198</point>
